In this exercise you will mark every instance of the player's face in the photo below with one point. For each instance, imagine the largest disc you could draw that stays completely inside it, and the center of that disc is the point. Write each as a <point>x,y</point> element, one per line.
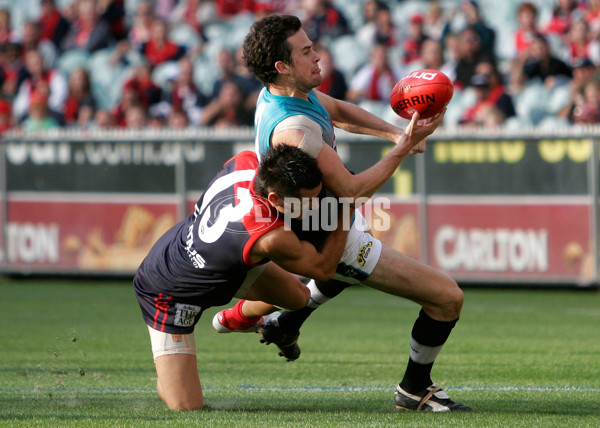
<point>305,62</point>
<point>310,200</point>
<point>307,200</point>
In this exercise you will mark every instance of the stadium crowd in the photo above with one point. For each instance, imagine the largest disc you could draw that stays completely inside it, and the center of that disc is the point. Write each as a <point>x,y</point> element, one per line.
<point>95,64</point>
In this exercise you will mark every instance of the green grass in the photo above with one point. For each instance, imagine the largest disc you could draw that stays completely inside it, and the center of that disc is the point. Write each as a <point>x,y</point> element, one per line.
<point>76,353</point>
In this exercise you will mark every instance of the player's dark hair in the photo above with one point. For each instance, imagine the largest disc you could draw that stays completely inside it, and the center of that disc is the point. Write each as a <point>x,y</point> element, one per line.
<point>266,43</point>
<point>285,170</point>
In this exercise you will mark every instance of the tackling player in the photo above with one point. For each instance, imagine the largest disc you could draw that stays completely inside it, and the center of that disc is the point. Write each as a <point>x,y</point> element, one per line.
<point>291,112</point>
<point>233,245</point>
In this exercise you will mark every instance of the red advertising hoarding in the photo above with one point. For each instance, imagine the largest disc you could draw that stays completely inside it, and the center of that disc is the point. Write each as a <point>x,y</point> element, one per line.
<point>511,239</point>
<point>100,233</point>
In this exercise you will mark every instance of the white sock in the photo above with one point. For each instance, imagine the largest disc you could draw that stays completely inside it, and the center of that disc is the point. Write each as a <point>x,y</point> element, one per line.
<point>423,354</point>
<point>316,297</point>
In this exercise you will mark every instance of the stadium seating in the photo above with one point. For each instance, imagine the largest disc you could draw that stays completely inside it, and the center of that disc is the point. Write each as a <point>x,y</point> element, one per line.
<point>348,64</point>
<point>72,59</point>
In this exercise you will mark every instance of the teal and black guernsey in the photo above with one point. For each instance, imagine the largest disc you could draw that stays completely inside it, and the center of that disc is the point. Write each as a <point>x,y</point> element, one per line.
<point>272,109</point>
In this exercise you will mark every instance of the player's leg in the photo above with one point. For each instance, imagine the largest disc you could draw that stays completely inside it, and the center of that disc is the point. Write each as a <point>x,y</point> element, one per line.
<point>320,293</point>
<point>277,287</point>
<point>274,288</point>
<point>178,383</point>
<point>402,276</point>
<point>441,300</point>
<point>263,291</point>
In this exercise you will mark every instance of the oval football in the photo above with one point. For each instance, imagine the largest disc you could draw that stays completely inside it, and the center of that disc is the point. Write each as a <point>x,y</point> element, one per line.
<point>426,91</point>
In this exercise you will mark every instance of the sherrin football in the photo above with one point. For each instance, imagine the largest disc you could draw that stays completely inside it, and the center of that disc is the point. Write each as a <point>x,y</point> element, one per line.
<point>426,91</point>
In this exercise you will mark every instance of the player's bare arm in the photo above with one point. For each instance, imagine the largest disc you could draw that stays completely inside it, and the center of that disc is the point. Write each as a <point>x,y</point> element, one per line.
<point>300,257</point>
<point>338,180</point>
<point>356,120</point>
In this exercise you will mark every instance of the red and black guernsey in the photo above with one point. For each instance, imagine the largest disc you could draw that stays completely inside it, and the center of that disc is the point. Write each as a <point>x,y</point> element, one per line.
<point>203,260</point>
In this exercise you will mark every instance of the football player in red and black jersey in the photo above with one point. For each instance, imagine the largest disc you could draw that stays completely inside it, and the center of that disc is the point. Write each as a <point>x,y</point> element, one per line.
<point>233,245</point>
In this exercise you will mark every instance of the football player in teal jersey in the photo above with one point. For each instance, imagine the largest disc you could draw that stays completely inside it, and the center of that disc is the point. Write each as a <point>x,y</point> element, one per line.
<point>290,111</point>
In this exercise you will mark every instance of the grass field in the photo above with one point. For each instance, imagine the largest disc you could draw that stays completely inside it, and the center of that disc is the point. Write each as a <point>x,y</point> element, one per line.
<point>76,353</point>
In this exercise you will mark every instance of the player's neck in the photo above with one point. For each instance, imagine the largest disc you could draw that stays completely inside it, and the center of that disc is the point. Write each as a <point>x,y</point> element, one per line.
<point>287,91</point>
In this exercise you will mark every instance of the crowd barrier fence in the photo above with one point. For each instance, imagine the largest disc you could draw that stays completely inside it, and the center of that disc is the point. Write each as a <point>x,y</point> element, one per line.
<point>502,208</point>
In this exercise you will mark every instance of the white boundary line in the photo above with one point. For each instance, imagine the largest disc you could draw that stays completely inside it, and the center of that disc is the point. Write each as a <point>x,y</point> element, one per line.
<point>313,388</point>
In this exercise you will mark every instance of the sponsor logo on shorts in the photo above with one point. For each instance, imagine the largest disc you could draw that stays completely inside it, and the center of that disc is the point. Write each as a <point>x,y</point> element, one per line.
<point>364,253</point>
<point>185,315</point>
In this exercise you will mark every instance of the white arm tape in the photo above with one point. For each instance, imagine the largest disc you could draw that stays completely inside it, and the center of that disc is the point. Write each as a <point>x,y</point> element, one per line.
<point>312,142</point>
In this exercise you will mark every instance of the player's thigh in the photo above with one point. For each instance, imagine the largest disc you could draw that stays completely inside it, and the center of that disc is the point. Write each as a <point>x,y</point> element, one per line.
<point>178,381</point>
<point>280,288</point>
<point>403,276</point>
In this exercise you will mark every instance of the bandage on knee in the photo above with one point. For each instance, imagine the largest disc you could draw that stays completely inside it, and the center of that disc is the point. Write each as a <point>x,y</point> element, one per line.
<point>169,344</point>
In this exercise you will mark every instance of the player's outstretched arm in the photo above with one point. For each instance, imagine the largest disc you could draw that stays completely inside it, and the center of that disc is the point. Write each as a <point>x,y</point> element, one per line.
<point>356,120</point>
<point>341,183</point>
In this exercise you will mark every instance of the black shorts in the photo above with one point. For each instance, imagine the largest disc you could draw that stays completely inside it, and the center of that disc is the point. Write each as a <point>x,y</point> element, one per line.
<point>164,313</point>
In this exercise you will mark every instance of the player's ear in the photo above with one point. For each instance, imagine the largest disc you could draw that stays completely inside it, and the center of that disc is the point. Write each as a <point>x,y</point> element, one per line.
<point>282,67</point>
<point>275,200</point>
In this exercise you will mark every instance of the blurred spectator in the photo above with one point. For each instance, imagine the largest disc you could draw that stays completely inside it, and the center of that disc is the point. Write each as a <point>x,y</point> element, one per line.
<point>11,69</point>
<point>163,9</point>
<point>130,98</point>
<point>53,25</point>
<point>334,82</point>
<point>412,43</point>
<point>228,109</point>
<point>147,92</point>
<point>157,120</point>
<point>527,30</point>
<point>374,81</point>
<point>584,72</point>
<point>435,21</point>
<point>541,64</point>
<point>586,109</point>
<point>31,40</point>
<point>252,86</point>
<point>228,72</point>
<point>366,33</point>
<point>487,35</point>
<point>103,119</point>
<point>191,13</point>
<point>88,31</point>
<point>580,44</point>
<point>39,118</point>
<point>562,15</point>
<point>323,20</point>
<point>141,28</point>
<point>386,32</point>
<point>139,90</point>
<point>184,95</point>
<point>470,53</point>
<point>85,118</point>
<point>228,8</point>
<point>135,117</point>
<point>80,101</point>
<point>263,8</point>
<point>432,57</point>
<point>489,93</point>
<point>113,13</point>
<point>178,120</point>
<point>37,78</point>
<point>592,17</point>
<point>6,117</point>
<point>522,38</point>
<point>160,48</point>
<point>7,34</point>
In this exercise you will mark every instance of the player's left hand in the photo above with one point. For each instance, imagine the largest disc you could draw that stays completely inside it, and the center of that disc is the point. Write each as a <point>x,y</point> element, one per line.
<point>418,130</point>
